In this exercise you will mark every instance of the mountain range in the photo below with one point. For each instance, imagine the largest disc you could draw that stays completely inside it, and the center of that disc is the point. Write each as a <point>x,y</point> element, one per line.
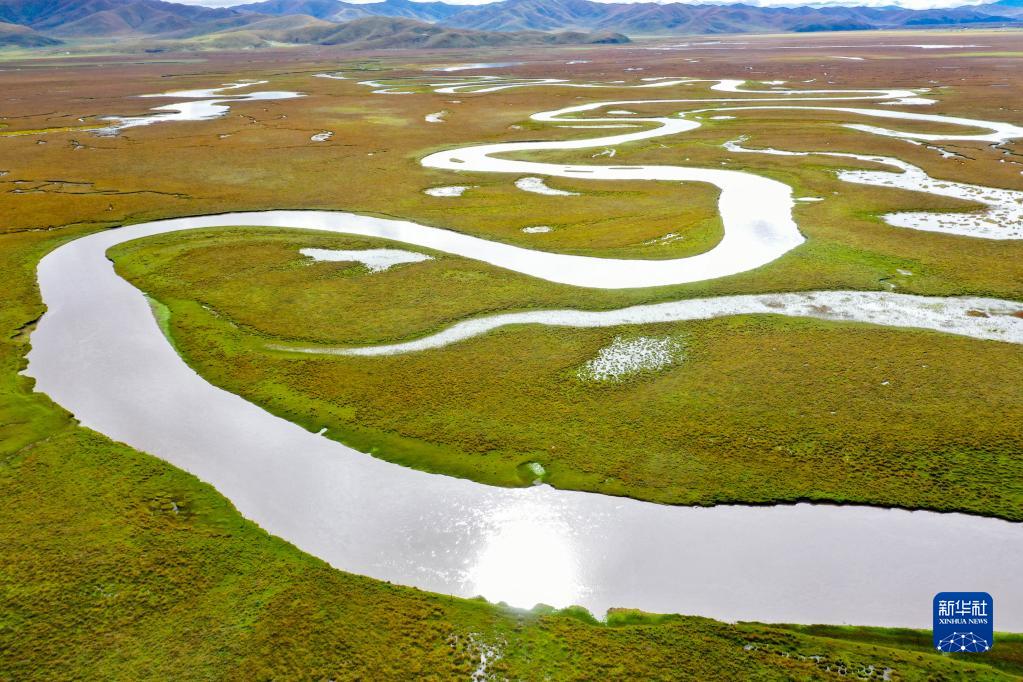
<point>643,18</point>
<point>378,33</point>
<point>404,23</point>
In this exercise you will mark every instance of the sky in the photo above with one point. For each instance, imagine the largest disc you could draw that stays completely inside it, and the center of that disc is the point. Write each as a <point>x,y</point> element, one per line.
<point>909,4</point>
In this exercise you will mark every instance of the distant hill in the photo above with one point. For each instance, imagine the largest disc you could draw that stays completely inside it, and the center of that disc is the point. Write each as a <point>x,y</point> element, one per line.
<point>97,18</point>
<point>330,10</point>
<point>437,24</point>
<point>647,18</point>
<point>643,18</point>
<point>1012,8</point>
<point>537,15</point>
<point>15,35</point>
<point>384,33</point>
<point>335,10</point>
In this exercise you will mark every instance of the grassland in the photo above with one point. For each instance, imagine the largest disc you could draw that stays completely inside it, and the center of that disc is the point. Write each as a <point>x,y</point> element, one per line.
<point>118,566</point>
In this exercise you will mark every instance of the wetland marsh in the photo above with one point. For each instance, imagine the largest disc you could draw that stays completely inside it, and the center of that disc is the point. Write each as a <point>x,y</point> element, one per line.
<point>888,388</point>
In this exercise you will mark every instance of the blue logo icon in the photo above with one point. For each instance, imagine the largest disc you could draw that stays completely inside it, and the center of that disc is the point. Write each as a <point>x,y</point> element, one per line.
<point>964,622</point>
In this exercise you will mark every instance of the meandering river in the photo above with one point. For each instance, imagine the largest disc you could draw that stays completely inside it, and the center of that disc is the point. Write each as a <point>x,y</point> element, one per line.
<point>99,352</point>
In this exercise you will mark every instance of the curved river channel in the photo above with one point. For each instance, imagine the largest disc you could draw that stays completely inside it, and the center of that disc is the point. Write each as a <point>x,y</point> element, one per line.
<point>99,352</point>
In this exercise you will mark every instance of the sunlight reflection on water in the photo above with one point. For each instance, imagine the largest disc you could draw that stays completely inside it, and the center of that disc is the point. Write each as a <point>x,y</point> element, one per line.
<point>528,557</point>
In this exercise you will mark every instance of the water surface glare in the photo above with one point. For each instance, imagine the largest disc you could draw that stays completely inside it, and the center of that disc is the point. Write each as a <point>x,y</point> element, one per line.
<point>99,352</point>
